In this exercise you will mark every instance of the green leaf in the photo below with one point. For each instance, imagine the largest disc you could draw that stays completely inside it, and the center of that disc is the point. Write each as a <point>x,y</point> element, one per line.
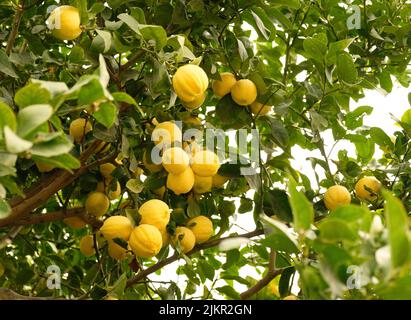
<point>57,146</point>
<point>354,119</point>
<point>64,161</point>
<point>302,209</point>
<point>357,217</point>
<point>246,205</point>
<point>276,203</point>
<point>124,97</point>
<point>293,4</point>
<point>229,292</point>
<point>106,36</point>
<point>335,230</point>
<point>5,66</point>
<point>7,117</point>
<point>336,48</point>
<point>5,209</point>
<point>32,117</point>
<point>106,114</point>
<point>32,94</point>
<point>120,285</point>
<point>365,147</point>
<point>346,69</point>
<point>315,48</point>
<point>278,236</point>
<point>385,80</point>
<point>15,144</point>
<point>397,224</point>
<point>91,92</point>
<point>135,185</point>
<point>380,137</point>
<point>279,133</point>
<point>260,25</point>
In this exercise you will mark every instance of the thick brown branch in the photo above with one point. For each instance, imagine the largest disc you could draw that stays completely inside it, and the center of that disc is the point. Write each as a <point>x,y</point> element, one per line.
<point>141,275</point>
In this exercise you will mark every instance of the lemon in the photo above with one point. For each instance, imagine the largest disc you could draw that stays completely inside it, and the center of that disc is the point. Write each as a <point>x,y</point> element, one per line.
<point>165,236</point>
<point>219,181</point>
<point>87,246</point>
<point>145,241</point>
<point>64,22</point>
<point>175,160</point>
<point>97,204</point>
<point>110,298</point>
<point>290,297</point>
<point>166,133</point>
<point>195,104</point>
<point>44,167</point>
<point>106,169</point>
<point>202,227</point>
<point>202,184</point>
<point>155,212</point>
<point>105,187</point>
<point>259,109</point>
<point>336,196</point>
<point>184,238</point>
<point>223,87</point>
<point>103,147</point>
<point>371,183</point>
<point>79,128</point>
<point>205,163</point>
<point>244,92</point>
<point>2,269</point>
<point>149,165</point>
<point>160,192</point>
<point>75,222</point>
<point>190,82</point>
<point>116,227</point>
<point>116,251</point>
<point>181,183</point>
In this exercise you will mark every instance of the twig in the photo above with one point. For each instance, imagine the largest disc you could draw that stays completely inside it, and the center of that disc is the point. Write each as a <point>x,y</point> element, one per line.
<point>15,29</point>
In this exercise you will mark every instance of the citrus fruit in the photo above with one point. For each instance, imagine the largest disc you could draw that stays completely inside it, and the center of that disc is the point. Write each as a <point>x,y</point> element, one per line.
<point>64,23</point>
<point>181,183</point>
<point>196,103</point>
<point>184,238</point>
<point>202,227</point>
<point>219,181</point>
<point>116,227</point>
<point>190,82</point>
<point>175,160</point>
<point>149,165</point>
<point>259,109</point>
<point>145,241</point>
<point>116,251</point>
<point>205,163</point>
<point>87,246</point>
<point>370,183</point>
<point>336,196</point>
<point>97,204</point>
<point>75,222</point>
<point>223,87</point>
<point>155,212</point>
<point>166,133</point>
<point>202,184</point>
<point>79,128</point>
<point>44,167</point>
<point>106,169</point>
<point>244,92</point>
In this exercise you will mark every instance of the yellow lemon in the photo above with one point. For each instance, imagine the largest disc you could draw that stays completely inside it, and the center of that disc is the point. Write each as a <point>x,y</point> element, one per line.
<point>166,133</point>
<point>165,236</point>
<point>202,184</point>
<point>97,204</point>
<point>145,241</point>
<point>106,169</point>
<point>175,160</point>
<point>87,246</point>
<point>372,184</point>
<point>244,92</point>
<point>196,103</point>
<point>184,238</point>
<point>103,147</point>
<point>205,163</point>
<point>259,109</point>
<point>336,196</point>
<point>75,222</point>
<point>79,128</point>
<point>223,87</point>
<point>149,165</point>
<point>116,251</point>
<point>64,23</point>
<point>190,82</point>
<point>117,227</point>
<point>219,181</point>
<point>290,297</point>
<point>181,183</point>
<point>155,212</point>
<point>202,227</point>
<point>105,187</point>
<point>44,167</point>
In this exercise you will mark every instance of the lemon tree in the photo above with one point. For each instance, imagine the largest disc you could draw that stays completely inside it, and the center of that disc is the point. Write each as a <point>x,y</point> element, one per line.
<point>135,137</point>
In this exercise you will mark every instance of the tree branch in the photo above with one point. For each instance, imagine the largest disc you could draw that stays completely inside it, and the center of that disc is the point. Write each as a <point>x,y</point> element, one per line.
<point>144,273</point>
<point>271,274</point>
<point>133,59</point>
<point>15,28</point>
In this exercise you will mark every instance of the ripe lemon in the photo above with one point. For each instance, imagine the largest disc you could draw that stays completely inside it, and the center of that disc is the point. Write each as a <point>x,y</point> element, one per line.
<point>166,132</point>
<point>106,169</point>
<point>155,212</point>
<point>223,87</point>
<point>181,183</point>
<point>117,227</point>
<point>259,109</point>
<point>97,204</point>
<point>184,238</point>
<point>103,147</point>
<point>87,246</point>
<point>196,103</point>
<point>205,163</point>
<point>149,165</point>
<point>219,181</point>
<point>202,227</point>
<point>44,167</point>
<point>244,92</point>
<point>175,160</point>
<point>145,241</point>
<point>190,82</point>
<point>165,236</point>
<point>110,298</point>
<point>202,184</point>
<point>336,196</point>
<point>291,297</point>
<point>116,251</point>
<point>75,222</point>
<point>371,183</point>
<point>79,128</point>
<point>64,22</point>
<point>105,187</point>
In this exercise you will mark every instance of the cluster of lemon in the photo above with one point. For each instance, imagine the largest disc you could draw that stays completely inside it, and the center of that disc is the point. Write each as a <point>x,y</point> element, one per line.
<point>367,188</point>
<point>147,239</point>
